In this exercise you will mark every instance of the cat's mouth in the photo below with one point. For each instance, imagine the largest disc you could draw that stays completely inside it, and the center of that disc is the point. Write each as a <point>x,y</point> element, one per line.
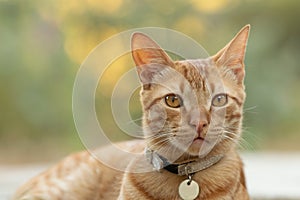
<point>198,138</point>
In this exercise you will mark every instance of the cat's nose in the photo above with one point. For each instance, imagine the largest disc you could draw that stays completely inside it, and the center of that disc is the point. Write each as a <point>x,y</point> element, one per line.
<point>200,120</point>
<point>201,126</point>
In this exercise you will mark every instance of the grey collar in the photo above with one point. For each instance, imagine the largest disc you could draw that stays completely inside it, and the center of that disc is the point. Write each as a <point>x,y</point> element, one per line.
<point>159,162</point>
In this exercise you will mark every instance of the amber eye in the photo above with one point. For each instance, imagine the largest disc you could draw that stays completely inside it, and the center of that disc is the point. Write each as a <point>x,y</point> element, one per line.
<point>219,100</point>
<point>173,100</point>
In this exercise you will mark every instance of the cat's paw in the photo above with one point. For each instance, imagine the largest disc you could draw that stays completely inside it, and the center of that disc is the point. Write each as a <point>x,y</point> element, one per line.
<point>30,197</point>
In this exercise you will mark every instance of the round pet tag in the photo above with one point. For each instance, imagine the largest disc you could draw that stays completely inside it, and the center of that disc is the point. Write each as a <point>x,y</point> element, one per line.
<point>188,189</point>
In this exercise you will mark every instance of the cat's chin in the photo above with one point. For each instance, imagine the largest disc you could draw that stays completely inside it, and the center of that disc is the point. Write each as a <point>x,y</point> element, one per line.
<point>200,147</point>
<point>195,146</point>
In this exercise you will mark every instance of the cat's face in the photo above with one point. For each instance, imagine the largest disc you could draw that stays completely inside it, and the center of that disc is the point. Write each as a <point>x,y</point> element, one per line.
<point>191,107</point>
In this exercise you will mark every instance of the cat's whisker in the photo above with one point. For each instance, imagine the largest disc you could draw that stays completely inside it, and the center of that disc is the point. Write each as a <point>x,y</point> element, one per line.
<point>231,139</point>
<point>249,138</point>
<point>155,136</point>
<point>164,148</point>
<point>167,148</point>
<point>135,120</point>
<point>249,109</point>
<point>159,142</point>
<point>244,144</point>
<point>230,132</point>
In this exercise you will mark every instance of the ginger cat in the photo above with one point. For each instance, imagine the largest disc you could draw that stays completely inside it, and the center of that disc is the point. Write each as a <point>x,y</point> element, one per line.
<point>192,119</point>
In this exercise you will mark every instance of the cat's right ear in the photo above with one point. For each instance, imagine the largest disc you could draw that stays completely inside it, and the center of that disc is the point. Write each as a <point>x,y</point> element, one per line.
<point>148,56</point>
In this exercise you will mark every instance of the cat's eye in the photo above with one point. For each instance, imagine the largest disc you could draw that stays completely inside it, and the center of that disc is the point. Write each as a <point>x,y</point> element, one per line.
<point>220,100</point>
<point>173,100</point>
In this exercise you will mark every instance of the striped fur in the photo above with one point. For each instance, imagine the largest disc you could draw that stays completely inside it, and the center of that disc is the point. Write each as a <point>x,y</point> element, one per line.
<point>168,131</point>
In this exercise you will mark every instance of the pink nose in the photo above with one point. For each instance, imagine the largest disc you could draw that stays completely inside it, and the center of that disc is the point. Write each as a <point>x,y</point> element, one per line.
<point>201,125</point>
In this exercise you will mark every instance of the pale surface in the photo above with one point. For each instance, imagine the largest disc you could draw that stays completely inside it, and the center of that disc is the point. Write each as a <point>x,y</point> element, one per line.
<point>269,175</point>
<point>188,191</point>
<point>273,175</point>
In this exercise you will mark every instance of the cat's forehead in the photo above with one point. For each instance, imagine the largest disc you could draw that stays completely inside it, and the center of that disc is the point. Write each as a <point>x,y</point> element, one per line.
<point>195,71</point>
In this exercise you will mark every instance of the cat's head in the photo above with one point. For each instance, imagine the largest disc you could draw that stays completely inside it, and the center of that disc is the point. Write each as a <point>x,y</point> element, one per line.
<point>191,107</point>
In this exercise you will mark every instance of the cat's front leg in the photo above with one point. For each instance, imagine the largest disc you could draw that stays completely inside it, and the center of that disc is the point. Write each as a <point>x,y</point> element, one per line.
<point>76,177</point>
<point>124,186</point>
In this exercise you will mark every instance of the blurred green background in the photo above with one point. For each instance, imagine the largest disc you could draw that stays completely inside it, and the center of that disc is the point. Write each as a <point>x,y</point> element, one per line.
<point>43,44</point>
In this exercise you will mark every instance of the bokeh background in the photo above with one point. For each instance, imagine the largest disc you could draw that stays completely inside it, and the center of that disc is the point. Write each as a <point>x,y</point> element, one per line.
<point>43,43</point>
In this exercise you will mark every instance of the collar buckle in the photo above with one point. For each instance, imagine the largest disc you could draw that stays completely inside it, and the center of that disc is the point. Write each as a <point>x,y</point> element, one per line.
<point>186,169</point>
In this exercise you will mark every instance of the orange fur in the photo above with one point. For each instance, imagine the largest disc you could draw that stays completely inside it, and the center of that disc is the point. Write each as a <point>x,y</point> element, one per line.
<point>169,131</point>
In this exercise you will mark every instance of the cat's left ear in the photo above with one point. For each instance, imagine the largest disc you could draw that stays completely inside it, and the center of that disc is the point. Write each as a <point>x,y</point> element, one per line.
<point>233,54</point>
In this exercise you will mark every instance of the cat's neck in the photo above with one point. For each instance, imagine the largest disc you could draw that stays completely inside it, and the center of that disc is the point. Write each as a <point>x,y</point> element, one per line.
<point>194,163</point>
<point>185,158</point>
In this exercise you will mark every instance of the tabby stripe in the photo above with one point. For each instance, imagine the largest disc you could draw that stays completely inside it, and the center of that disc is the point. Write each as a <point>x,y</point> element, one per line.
<point>139,187</point>
<point>203,85</point>
<point>147,86</point>
<point>221,191</point>
<point>240,182</point>
<point>235,123</point>
<point>233,116</point>
<point>237,188</point>
<point>153,102</point>
<point>242,178</point>
<point>181,87</point>
<point>236,100</point>
<point>185,70</point>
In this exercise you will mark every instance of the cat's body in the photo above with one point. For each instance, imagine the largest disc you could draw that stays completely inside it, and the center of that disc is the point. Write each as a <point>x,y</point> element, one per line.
<point>82,176</point>
<point>192,111</point>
